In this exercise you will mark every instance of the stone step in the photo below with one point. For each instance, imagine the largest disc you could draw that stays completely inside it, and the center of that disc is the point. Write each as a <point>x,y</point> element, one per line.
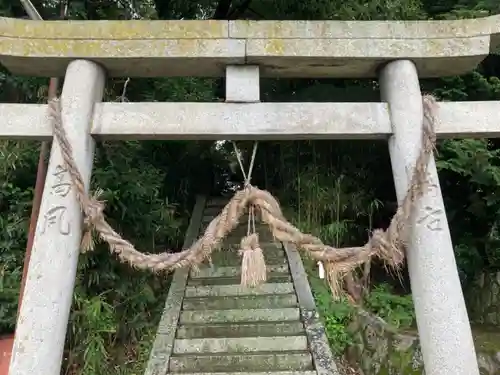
<point>208,217</point>
<point>205,220</point>
<point>235,236</point>
<point>231,257</point>
<point>268,248</point>
<point>238,290</point>
<point>262,329</point>
<point>254,373</point>
<point>270,301</point>
<point>239,316</point>
<point>213,210</point>
<point>240,344</point>
<point>242,228</point>
<point>234,363</point>
<point>217,271</point>
<point>261,228</point>
<point>216,202</point>
<point>271,278</point>
<point>234,239</point>
<point>233,261</point>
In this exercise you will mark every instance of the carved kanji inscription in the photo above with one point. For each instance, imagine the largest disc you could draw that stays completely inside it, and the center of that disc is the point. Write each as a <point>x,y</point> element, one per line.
<point>62,185</point>
<point>431,218</point>
<point>56,217</point>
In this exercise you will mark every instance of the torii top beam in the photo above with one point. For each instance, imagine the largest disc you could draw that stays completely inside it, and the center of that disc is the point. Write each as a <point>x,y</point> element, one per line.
<point>204,48</point>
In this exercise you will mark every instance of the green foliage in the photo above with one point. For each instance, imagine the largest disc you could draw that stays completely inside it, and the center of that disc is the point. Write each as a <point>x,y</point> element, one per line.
<point>17,163</point>
<point>336,315</point>
<point>394,309</point>
<point>470,175</point>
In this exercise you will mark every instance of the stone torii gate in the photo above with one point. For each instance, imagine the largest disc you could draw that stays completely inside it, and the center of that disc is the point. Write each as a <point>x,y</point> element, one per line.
<point>398,53</point>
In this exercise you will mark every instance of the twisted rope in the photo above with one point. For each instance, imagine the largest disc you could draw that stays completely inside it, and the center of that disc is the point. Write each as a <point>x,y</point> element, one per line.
<point>253,266</point>
<point>388,245</point>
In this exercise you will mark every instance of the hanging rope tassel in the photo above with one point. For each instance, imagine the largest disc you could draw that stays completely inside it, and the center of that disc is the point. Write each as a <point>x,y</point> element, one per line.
<point>253,265</point>
<point>334,277</point>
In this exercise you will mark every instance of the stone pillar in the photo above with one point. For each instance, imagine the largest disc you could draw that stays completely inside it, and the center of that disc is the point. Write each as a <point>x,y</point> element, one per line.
<point>43,319</point>
<point>242,84</point>
<point>443,324</point>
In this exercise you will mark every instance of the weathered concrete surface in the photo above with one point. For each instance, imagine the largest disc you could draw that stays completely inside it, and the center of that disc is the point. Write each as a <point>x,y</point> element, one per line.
<point>272,277</point>
<point>238,290</point>
<point>256,121</point>
<point>231,271</point>
<point>242,84</point>
<point>284,48</point>
<point>240,315</point>
<point>258,329</point>
<point>463,28</point>
<point>271,362</point>
<point>443,324</point>
<point>240,344</point>
<point>43,318</point>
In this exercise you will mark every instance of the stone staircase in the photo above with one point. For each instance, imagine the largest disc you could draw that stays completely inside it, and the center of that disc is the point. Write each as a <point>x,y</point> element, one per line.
<point>212,325</point>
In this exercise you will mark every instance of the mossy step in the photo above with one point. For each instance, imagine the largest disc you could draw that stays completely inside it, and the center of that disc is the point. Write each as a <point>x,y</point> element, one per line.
<point>208,217</point>
<point>238,290</point>
<point>233,261</point>
<point>234,363</point>
<point>242,228</point>
<point>218,271</point>
<point>262,329</point>
<point>240,316</point>
<point>235,236</point>
<point>213,211</point>
<point>268,248</point>
<point>231,257</point>
<point>240,344</point>
<point>271,278</point>
<point>270,301</point>
<point>254,373</point>
<point>265,238</point>
<point>216,202</point>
